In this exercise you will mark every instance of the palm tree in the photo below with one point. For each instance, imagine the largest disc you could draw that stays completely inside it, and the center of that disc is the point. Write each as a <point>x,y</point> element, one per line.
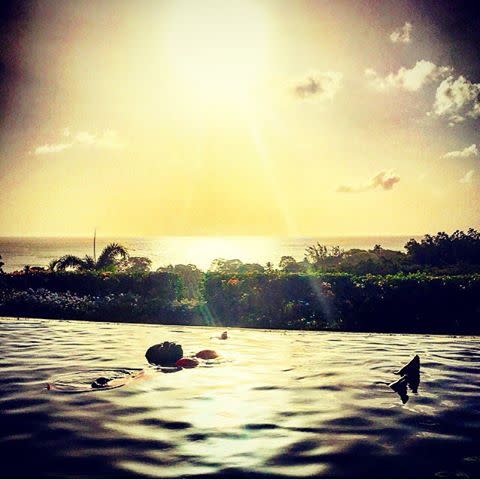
<point>110,257</point>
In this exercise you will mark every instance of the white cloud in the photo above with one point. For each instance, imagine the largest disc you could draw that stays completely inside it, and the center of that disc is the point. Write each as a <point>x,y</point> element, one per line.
<point>470,151</point>
<point>52,148</point>
<point>318,85</point>
<point>85,138</point>
<point>468,177</point>
<point>412,79</point>
<point>385,180</point>
<point>107,140</point>
<point>457,99</point>
<point>402,34</point>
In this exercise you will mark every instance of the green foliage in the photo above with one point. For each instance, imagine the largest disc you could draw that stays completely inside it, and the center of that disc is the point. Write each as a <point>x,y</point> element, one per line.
<point>431,288</point>
<point>71,262</point>
<point>269,301</point>
<point>322,257</point>
<point>92,295</point>
<point>392,303</point>
<point>442,249</point>
<point>377,261</point>
<point>111,257</point>
<point>165,286</point>
<point>288,264</point>
<point>135,265</point>
<point>220,265</point>
<point>190,276</point>
<point>415,302</point>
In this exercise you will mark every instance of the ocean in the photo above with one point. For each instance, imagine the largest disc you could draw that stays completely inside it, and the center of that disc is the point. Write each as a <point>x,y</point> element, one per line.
<point>17,252</point>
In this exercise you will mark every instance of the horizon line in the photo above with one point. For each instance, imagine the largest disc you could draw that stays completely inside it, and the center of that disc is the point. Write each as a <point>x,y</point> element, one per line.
<point>323,235</point>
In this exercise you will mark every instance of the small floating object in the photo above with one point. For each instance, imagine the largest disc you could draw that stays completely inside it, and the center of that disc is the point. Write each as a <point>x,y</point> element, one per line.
<point>224,335</point>
<point>207,354</point>
<point>187,363</point>
<point>166,353</point>
<point>411,368</point>
<point>104,379</point>
<point>410,376</point>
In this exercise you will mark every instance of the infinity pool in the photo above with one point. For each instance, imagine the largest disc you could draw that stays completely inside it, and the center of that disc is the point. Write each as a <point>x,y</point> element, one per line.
<point>275,404</point>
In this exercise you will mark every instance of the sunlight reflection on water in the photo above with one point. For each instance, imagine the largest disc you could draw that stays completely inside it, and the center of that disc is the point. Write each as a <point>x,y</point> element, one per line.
<point>277,403</point>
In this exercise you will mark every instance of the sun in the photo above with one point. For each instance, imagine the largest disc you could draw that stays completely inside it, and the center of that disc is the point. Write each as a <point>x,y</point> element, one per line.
<point>217,50</point>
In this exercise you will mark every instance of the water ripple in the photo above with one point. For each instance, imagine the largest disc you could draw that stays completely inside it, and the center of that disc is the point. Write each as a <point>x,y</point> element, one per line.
<point>275,404</point>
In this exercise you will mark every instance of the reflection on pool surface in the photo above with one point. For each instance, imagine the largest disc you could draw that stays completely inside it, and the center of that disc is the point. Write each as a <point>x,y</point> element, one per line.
<point>275,404</point>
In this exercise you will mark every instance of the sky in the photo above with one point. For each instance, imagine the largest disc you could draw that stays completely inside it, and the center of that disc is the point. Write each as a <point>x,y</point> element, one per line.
<point>239,117</point>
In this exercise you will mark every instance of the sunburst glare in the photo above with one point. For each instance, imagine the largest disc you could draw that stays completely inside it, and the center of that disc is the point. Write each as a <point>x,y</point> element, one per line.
<point>217,50</point>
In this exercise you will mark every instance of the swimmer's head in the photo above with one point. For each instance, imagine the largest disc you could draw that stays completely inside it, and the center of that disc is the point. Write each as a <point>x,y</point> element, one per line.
<point>166,353</point>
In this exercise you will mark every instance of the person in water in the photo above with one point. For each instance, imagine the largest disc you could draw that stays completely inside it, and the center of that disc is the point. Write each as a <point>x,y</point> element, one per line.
<point>169,354</point>
<point>166,353</point>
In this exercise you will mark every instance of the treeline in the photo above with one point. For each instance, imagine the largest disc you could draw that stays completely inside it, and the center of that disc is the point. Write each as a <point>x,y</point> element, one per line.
<point>458,253</point>
<point>336,301</point>
<point>367,290</point>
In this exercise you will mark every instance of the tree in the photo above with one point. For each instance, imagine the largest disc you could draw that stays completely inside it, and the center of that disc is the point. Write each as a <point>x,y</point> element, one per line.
<point>443,249</point>
<point>288,264</point>
<point>220,265</point>
<point>135,265</point>
<point>110,258</point>
<point>321,257</point>
<point>269,267</point>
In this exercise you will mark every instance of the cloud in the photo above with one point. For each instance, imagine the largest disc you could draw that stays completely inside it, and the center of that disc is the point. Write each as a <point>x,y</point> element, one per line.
<point>85,138</point>
<point>408,79</point>
<point>52,148</point>
<point>385,180</point>
<point>107,140</point>
<point>457,99</point>
<point>470,151</point>
<point>318,85</point>
<point>402,34</point>
<point>468,177</point>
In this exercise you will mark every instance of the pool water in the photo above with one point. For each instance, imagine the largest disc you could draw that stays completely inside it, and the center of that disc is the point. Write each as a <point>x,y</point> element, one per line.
<point>274,404</point>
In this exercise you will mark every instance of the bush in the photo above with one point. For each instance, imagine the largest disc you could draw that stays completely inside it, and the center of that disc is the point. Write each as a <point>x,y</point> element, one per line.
<point>164,286</point>
<point>403,302</point>
<point>392,303</point>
